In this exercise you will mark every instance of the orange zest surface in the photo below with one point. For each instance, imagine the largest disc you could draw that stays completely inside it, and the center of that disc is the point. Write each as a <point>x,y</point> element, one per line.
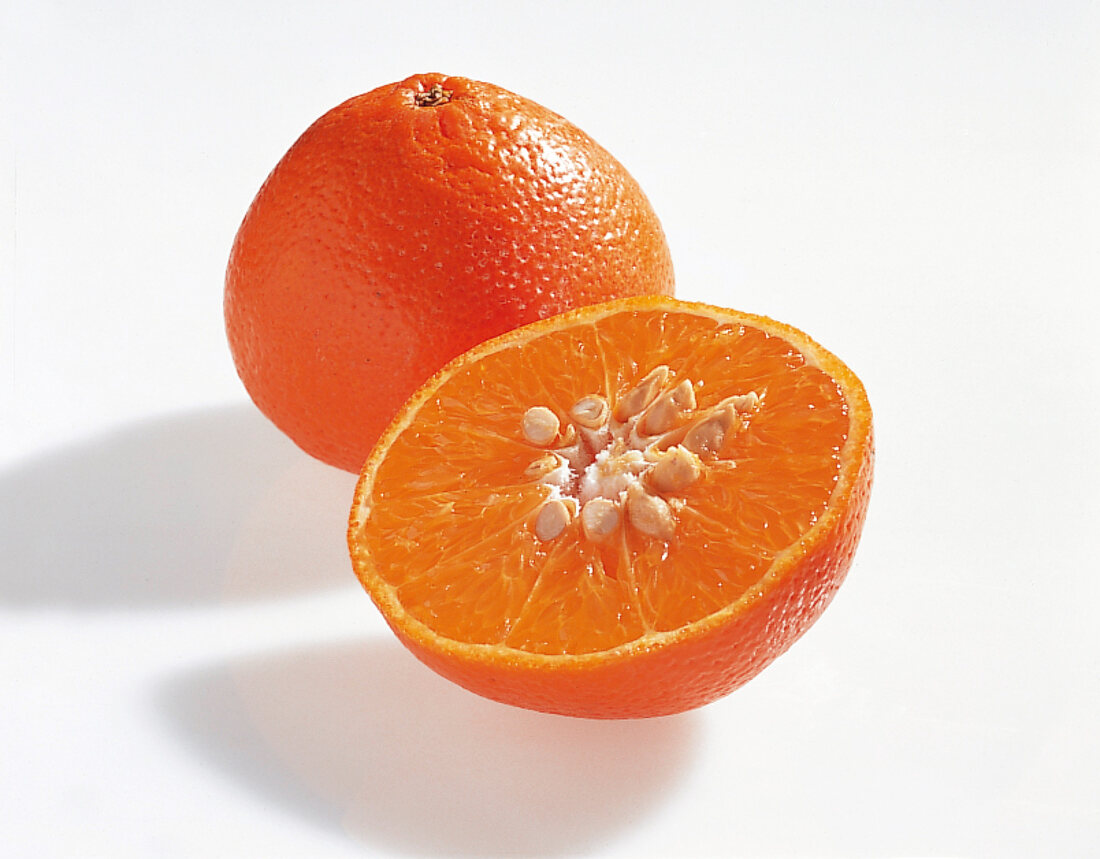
<point>409,224</point>
<point>520,550</point>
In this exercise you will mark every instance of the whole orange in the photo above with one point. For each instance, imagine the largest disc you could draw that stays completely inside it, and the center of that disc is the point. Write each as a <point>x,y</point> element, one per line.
<point>409,224</point>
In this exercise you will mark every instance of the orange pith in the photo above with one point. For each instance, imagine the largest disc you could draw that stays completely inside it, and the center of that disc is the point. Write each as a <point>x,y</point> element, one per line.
<point>443,531</point>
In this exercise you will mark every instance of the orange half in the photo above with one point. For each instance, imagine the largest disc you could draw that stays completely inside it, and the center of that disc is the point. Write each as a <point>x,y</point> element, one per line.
<point>627,510</point>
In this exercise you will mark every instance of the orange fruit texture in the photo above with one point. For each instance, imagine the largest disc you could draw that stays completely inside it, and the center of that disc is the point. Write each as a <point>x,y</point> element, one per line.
<point>628,510</point>
<point>407,225</point>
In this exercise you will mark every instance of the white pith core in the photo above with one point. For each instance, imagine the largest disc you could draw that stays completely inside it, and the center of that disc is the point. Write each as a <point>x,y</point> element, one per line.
<point>627,464</point>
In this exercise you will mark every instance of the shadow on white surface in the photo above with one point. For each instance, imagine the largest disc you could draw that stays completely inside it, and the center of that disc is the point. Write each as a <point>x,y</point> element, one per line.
<point>359,737</point>
<point>174,511</point>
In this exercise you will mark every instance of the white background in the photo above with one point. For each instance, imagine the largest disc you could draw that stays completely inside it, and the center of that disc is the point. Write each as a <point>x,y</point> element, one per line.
<point>187,667</point>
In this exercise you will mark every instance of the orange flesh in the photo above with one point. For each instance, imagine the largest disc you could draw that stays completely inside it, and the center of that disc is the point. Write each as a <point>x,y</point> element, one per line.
<point>452,508</point>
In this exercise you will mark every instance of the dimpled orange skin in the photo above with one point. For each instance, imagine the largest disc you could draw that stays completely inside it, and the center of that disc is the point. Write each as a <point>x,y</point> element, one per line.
<point>696,664</point>
<point>394,235</point>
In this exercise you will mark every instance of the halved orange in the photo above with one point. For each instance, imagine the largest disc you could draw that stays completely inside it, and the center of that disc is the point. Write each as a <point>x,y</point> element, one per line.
<point>627,510</point>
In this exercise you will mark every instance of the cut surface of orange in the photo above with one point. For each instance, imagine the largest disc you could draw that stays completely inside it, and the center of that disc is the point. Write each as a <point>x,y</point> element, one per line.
<point>624,511</point>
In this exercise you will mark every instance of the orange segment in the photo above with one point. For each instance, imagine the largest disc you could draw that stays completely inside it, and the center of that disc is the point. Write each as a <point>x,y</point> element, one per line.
<point>626,510</point>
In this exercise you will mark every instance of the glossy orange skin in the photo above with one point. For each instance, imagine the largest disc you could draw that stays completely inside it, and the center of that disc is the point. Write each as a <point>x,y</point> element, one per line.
<point>392,237</point>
